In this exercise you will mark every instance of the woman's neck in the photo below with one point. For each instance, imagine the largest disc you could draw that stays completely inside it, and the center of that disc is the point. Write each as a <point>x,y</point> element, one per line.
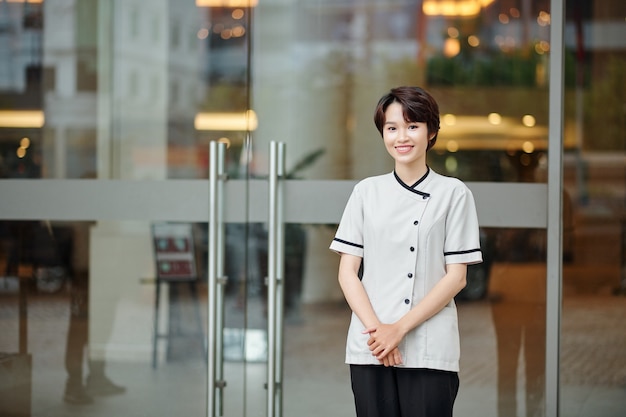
<point>411,174</point>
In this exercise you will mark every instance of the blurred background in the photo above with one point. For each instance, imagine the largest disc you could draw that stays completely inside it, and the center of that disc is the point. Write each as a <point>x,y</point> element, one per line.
<point>107,109</point>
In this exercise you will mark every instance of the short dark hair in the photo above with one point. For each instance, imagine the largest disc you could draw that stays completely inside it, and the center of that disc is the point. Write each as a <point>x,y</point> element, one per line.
<point>417,106</point>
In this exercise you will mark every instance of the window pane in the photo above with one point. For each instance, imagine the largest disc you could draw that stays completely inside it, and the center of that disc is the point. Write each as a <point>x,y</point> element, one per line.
<point>487,69</point>
<point>594,239</point>
<point>77,317</point>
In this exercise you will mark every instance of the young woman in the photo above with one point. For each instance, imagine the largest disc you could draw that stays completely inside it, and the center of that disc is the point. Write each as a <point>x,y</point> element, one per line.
<point>415,232</point>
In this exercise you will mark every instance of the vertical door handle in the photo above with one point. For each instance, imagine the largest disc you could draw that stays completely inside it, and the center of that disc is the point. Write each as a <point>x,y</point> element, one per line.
<point>275,280</point>
<point>216,281</point>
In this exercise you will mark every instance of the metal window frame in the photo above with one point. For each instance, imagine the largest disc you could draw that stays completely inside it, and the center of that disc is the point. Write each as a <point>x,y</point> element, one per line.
<point>554,276</point>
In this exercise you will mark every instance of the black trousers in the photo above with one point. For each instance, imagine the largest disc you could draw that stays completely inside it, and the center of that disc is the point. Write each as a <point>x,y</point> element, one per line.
<point>403,392</point>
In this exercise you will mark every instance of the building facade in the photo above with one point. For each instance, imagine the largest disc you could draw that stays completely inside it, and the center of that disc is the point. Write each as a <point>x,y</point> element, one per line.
<point>148,265</point>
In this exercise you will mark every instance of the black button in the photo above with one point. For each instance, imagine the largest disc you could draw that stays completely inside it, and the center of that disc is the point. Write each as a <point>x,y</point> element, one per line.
<point>410,275</point>
<point>412,249</point>
<point>406,301</point>
<point>415,222</point>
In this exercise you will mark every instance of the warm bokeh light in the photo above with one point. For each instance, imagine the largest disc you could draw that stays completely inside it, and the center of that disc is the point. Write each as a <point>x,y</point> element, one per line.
<point>21,118</point>
<point>24,143</point>
<point>528,120</point>
<point>242,121</point>
<point>538,49</point>
<point>453,32</point>
<point>451,47</point>
<point>543,19</point>
<point>203,33</point>
<point>494,118</point>
<point>454,7</point>
<point>226,141</point>
<point>449,119</point>
<point>473,41</point>
<point>227,3</point>
<point>528,147</point>
<point>452,146</point>
<point>239,31</point>
<point>488,132</point>
<point>237,14</point>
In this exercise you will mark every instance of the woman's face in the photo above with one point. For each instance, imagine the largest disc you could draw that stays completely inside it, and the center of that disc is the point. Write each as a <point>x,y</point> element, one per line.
<point>406,142</point>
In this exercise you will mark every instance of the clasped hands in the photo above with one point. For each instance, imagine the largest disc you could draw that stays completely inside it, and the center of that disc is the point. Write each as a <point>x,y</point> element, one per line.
<point>383,343</point>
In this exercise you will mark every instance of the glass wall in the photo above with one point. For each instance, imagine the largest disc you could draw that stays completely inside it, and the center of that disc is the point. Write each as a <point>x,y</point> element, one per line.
<point>594,279</point>
<point>124,97</point>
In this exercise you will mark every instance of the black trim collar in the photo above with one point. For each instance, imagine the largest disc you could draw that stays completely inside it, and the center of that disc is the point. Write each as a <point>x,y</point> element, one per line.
<point>418,182</point>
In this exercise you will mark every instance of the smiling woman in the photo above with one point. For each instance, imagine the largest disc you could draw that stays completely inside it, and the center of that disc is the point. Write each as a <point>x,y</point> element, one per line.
<point>407,143</point>
<point>413,232</point>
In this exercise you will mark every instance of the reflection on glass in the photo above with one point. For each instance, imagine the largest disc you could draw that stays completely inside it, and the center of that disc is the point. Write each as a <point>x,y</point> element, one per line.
<point>78,328</point>
<point>143,97</point>
<point>594,280</point>
<point>518,307</point>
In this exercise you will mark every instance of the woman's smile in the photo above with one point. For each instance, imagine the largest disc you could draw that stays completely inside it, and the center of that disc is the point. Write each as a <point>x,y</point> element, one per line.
<point>404,148</point>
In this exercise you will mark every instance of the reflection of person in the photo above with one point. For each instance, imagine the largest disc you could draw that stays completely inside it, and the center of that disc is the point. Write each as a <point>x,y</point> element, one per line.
<point>518,309</point>
<point>415,232</point>
<point>520,327</point>
<point>518,303</point>
<point>77,389</point>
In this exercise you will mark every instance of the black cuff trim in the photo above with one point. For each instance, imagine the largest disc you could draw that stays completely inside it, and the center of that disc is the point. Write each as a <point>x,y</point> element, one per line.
<point>461,252</point>
<point>348,243</point>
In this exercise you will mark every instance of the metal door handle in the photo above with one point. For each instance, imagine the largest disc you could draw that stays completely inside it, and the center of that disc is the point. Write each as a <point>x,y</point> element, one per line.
<point>216,281</point>
<point>275,281</point>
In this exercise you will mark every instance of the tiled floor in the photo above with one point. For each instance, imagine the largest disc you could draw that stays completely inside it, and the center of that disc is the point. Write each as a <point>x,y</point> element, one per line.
<point>316,381</point>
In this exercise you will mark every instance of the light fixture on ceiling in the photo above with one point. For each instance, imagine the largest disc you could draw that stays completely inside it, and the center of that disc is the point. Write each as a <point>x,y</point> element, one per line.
<point>226,3</point>
<point>243,121</point>
<point>456,8</point>
<point>22,118</point>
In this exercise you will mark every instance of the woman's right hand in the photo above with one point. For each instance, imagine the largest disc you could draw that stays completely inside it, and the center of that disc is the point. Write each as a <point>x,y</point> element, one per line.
<point>393,358</point>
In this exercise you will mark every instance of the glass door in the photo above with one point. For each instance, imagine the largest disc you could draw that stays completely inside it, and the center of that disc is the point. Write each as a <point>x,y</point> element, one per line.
<point>319,69</point>
<point>109,304</point>
<point>111,254</point>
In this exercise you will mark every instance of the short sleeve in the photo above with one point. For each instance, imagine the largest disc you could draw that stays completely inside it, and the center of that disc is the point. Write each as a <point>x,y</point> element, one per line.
<point>349,236</point>
<point>462,244</point>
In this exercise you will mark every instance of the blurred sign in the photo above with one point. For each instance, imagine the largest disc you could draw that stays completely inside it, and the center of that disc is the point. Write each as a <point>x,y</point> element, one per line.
<point>174,251</point>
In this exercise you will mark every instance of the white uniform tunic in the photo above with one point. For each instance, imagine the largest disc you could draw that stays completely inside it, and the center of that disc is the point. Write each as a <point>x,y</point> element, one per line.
<point>406,235</point>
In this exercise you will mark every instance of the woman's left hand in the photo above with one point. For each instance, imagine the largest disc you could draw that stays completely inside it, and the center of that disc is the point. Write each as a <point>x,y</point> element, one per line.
<point>384,338</point>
